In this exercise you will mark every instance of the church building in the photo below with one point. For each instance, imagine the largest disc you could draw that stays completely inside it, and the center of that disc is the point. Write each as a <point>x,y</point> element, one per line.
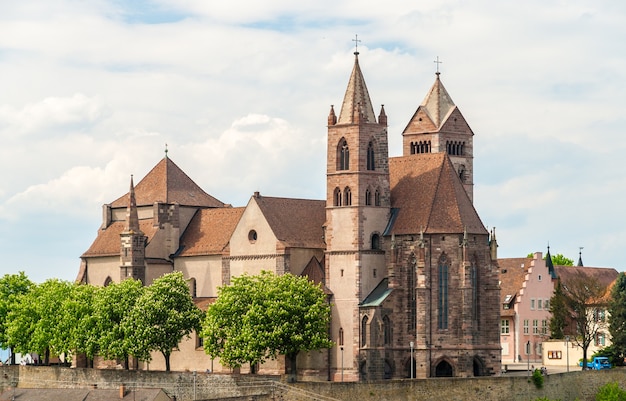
<point>409,268</point>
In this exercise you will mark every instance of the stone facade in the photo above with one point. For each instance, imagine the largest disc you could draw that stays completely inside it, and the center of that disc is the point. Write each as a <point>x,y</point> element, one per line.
<point>397,245</point>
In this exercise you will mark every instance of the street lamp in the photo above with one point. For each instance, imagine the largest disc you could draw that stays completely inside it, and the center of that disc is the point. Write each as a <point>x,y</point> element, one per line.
<point>341,348</point>
<point>567,351</point>
<point>411,344</point>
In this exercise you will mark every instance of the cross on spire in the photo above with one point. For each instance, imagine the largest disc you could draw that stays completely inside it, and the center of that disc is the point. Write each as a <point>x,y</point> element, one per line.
<point>437,62</point>
<point>356,41</point>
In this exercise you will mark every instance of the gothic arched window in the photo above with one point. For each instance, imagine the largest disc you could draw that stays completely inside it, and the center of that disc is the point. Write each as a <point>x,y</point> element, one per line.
<point>337,197</point>
<point>386,330</point>
<point>347,196</point>
<point>344,156</point>
<point>370,157</point>
<point>375,241</point>
<point>364,331</point>
<point>377,198</point>
<point>368,197</point>
<point>442,299</point>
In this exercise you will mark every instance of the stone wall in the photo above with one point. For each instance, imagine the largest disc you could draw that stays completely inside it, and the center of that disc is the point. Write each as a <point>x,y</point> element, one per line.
<point>571,386</point>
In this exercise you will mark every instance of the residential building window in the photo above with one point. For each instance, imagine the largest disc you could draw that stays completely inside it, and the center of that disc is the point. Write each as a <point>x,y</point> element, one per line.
<point>544,327</point>
<point>535,326</point>
<point>525,326</point>
<point>539,303</point>
<point>600,339</point>
<point>538,348</point>
<point>546,304</point>
<point>504,326</point>
<point>532,304</point>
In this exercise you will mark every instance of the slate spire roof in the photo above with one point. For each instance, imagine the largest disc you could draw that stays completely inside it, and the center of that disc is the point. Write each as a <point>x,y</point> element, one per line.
<point>357,106</point>
<point>132,218</point>
<point>428,195</point>
<point>167,183</point>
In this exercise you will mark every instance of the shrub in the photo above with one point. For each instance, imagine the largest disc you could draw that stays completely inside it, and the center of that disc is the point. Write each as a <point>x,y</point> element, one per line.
<point>611,392</point>
<point>537,378</point>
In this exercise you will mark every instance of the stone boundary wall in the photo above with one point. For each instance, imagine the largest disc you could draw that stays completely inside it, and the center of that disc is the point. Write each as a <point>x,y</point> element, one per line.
<point>571,386</point>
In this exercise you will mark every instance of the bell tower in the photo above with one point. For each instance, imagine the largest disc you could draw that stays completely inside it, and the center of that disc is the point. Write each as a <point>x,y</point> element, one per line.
<point>439,127</point>
<point>357,212</point>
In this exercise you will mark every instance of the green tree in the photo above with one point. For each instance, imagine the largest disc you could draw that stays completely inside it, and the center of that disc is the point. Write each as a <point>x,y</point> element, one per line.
<point>558,313</point>
<point>162,317</point>
<point>617,323</point>
<point>12,286</point>
<point>263,316</point>
<point>111,306</point>
<point>557,260</point>
<point>79,322</point>
<point>33,325</point>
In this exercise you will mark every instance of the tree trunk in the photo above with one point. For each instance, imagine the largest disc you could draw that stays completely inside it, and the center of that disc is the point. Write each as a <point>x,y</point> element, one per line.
<point>167,360</point>
<point>292,370</point>
<point>47,357</point>
<point>12,356</point>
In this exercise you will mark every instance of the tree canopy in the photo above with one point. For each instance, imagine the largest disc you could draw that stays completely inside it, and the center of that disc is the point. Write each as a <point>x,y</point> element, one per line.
<point>260,317</point>
<point>12,286</point>
<point>162,316</point>
<point>558,260</point>
<point>617,311</point>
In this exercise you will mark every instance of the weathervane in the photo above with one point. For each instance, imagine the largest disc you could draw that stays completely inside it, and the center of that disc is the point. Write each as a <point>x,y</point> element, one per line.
<point>356,41</point>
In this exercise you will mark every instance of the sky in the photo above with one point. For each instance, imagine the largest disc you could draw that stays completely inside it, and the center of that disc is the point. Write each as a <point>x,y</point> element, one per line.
<point>92,91</point>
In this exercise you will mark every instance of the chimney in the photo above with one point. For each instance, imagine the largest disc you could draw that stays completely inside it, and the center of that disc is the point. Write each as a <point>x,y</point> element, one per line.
<point>122,390</point>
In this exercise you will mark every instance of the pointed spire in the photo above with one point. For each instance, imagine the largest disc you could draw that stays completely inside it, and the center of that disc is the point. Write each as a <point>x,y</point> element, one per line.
<point>382,117</point>
<point>549,264</point>
<point>357,99</point>
<point>332,118</point>
<point>493,245</point>
<point>438,103</point>
<point>132,217</point>
<point>580,256</point>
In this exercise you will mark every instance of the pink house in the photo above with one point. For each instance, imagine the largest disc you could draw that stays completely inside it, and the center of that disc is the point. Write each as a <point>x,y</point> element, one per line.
<point>525,288</point>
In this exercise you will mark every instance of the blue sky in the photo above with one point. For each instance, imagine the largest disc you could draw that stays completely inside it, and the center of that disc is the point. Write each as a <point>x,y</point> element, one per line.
<point>93,90</point>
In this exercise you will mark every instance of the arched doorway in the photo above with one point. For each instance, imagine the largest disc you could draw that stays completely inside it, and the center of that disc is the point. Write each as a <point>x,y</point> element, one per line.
<point>444,369</point>
<point>479,368</point>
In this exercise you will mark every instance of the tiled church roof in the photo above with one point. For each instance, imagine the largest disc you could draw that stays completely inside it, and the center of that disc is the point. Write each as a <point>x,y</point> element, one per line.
<point>430,196</point>
<point>209,231</point>
<point>295,222</point>
<point>167,183</point>
<point>107,243</point>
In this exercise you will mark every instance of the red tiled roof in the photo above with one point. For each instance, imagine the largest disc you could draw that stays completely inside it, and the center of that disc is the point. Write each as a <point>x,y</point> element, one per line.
<point>209,231</point>
<point>314,271</point>
<point>107,243</point>
<point>512,276</point>
<point>430,196</point>
<point>295,222</point>
<point>604,275</point>
<point>167,183</point>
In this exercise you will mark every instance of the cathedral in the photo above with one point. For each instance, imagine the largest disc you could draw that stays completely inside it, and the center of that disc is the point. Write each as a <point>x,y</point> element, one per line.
<point>409,268</point>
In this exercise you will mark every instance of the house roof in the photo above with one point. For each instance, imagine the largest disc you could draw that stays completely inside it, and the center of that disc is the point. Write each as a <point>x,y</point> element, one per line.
<point>167,183</point>
<point>66,394</point>
<point>314,271</point>
<point>294,222</point>
<point>604,275</point>
<point>107,243</point>
<point>209,231</point>
<point>356,99</point>
<point>512,275</point>
<point>430,196</point>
